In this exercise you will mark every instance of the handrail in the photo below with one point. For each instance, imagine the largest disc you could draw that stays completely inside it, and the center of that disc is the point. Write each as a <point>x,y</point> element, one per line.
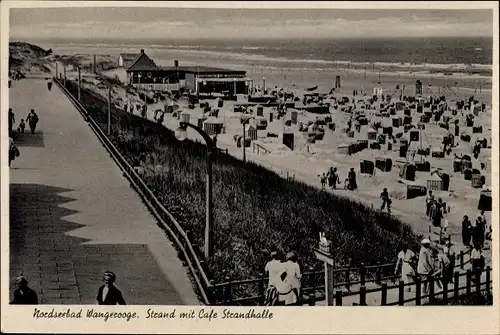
<point>131,175</point>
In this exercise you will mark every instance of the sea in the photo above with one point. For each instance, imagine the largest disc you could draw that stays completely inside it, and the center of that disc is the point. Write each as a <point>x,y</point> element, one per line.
<point>431,52</point>
<point>310,62</point>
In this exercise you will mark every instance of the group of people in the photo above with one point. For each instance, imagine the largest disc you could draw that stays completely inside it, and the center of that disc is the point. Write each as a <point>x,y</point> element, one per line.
<point>107,294</point>
<point>333,179</point>
<point>437,262</point>
<point>284,280</point>
<point>477,233</point>
<point>435,209</point>
<point>32,120</point>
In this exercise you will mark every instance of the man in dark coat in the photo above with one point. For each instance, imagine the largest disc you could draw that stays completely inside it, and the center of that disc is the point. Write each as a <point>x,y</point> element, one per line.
<point>351,176</point>
<point>24,295</point>
<point>109,294</point>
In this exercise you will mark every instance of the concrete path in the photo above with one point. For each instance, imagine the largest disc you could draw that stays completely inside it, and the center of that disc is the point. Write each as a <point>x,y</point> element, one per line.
<point>73,214</point>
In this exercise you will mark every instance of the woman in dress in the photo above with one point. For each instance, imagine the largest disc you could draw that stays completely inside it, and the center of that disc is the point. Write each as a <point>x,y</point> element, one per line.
<point>405,257</point>
<point>466,231</point>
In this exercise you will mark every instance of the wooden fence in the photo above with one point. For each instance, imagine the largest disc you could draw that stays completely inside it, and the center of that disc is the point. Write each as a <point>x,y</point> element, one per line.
<point>313,282</point>
<point>231,292</point>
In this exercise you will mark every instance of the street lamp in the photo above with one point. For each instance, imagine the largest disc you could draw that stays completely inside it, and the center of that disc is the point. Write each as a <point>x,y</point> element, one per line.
<point>244,121</point>
<point>181,135</point>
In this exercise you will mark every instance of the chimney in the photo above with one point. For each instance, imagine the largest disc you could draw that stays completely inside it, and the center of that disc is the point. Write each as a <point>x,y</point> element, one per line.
<point>142,51</point>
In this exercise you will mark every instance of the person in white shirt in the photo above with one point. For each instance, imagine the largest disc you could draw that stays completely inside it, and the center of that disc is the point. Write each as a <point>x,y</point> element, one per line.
<point>293,272</point>
<point>274,268</point>
<point>405,257</point>
<point>425,266</point>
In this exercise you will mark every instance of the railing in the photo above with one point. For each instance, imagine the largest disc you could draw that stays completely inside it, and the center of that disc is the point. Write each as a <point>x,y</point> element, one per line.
<point>259,148</point>
<point>179,236</point>
<point>313,285</point>
<point>223,293</point>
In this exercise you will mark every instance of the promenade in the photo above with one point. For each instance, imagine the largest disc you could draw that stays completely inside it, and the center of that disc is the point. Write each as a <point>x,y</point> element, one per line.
<point>73,215</point>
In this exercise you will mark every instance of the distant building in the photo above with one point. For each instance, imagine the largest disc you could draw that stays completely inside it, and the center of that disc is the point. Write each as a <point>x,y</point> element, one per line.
<point>143,72</point>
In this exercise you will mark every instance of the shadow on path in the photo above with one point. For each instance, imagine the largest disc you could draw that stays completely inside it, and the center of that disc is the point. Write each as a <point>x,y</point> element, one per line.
<point>60,268</point>
<point>27,139</point>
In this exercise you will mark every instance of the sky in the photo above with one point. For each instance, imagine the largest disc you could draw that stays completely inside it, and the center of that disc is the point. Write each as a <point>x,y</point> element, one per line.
<point>158,23</point>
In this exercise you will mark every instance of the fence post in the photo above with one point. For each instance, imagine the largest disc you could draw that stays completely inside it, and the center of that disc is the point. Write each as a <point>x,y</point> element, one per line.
<point>418,291</point>
<point>312,285</point>
<point>261,287</point>
<point>456,284</point>
<point>401,297</point>
<point>384,294</point>
<point>461,259</point>
<point>64,68</point>
<point>488,278</point>
<point>478,273</point>
<point>227,290</point>
<point>431,289</point>
<point>227,151</point>
<point>338,298</point>
<point>362,272</point>
<point>109,110</point>
<point>445,292</point>
<point>468,283</point>
<point>362,296</point>
<point>348,278</point>
<point>378,275</point>
<point>212,296</point>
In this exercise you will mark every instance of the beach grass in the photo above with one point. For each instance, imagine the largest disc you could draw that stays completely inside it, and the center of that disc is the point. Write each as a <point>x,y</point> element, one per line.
<point>255,210</point>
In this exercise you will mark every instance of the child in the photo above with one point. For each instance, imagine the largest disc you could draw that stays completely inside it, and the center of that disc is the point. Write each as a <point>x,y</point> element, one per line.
<point>323,181</point>
<point>22,125</point>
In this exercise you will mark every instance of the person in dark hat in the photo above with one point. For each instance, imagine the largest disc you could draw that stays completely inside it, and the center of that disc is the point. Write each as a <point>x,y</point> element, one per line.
<point>24,295</point>
<point>109,294</point>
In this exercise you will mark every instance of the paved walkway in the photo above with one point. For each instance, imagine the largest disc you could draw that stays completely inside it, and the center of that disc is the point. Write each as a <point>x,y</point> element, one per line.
<point>73,214</point>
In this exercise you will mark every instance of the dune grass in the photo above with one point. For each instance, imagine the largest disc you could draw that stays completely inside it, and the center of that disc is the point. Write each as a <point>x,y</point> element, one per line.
<point>255,209</point>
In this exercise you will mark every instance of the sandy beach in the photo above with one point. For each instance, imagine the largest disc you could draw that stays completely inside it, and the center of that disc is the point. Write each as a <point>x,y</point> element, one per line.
<point>308,160</point>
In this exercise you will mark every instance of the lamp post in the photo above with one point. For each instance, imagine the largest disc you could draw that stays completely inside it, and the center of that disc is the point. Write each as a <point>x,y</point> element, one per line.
<point>244,121</point>
<point>181,135</point>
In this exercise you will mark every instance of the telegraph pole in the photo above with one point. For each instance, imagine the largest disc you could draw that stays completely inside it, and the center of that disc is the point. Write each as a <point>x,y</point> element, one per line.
<point>64,75</point>
<point>109,109</point>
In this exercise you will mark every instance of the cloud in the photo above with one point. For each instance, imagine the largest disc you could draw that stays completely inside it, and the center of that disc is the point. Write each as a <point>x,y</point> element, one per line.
<point>248,23</point>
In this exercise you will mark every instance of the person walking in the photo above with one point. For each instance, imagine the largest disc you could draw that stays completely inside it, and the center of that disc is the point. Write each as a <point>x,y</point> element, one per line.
<point>425,267</point>
<point>13,150</point>
<point>451,253</point>
<point>109,294</point>
<point>24,295</point>
<point>466,231</point>
<point>437,215</point>
<point>32,120</point>
<point>294,275</point>
<point>22,126</point>
<point>333,178</point>
<point>12,120</point>
<point>274,268</point>
<point>477,262</point>
<point>385,201</point>
<point>351,176</point>
<point>478,231</point>
<point>405,257</point>
<point>428,202</point>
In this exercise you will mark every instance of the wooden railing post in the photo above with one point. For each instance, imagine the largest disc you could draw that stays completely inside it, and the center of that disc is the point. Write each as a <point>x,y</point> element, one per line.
<point>456,284</point>
<point>378,275</point>
<point>488,278</point>
<point>348,278</point>
<point>445,292</point>
<point>478,280</point>
<point>211,292</point>
<point>461,259</point>
<point>228,296</point>
<point>384,294</point>
<point>431,289</point>
<point>262,283</point>
<point>362,273</point>
<point>401,296</point>
<point>362,296</point>
<point>468,283</point>
<point>338,298</point>
<point>312,285</point>
<point>418,291</point>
